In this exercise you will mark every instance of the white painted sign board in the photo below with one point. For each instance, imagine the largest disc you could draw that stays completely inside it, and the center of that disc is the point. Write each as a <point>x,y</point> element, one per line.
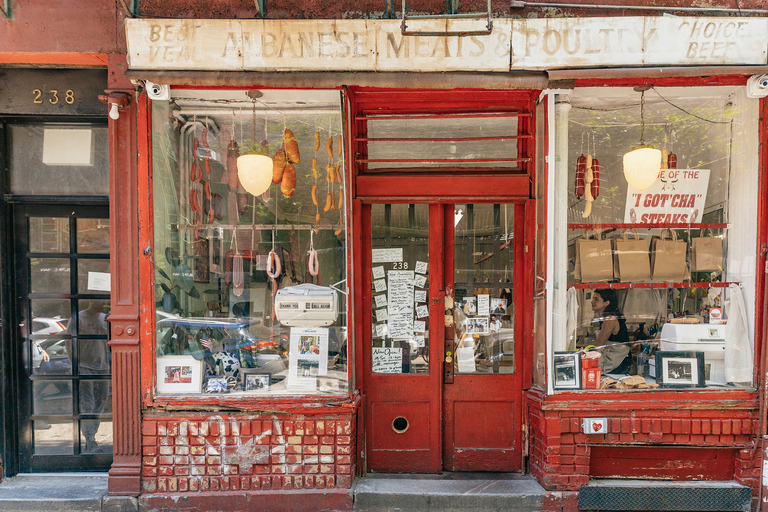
<point>637,41</point>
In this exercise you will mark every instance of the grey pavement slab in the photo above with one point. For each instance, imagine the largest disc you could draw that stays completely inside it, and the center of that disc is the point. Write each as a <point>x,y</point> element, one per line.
<point>449,492</point>
<point>60,492</point>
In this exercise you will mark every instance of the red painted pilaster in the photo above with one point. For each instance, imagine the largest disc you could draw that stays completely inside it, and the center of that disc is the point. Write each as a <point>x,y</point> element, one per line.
<point>125,474</point>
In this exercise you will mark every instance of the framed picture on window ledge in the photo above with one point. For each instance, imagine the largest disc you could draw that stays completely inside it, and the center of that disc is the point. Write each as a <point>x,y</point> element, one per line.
<point>567,370</point>
<point>680,369</point>
<point>179,374</point>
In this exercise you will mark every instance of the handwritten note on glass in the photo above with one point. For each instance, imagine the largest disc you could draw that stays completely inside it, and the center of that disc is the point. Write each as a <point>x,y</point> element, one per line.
<point>391,255</point>
<point>387,360</point>
<point>400,303</point>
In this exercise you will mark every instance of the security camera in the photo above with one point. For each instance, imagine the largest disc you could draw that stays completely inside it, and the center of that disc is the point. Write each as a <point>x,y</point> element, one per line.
<point>757,86</point>
<point>158,91</point>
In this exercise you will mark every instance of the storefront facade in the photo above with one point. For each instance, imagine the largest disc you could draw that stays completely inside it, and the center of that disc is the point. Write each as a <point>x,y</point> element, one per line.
<point>449,269</point>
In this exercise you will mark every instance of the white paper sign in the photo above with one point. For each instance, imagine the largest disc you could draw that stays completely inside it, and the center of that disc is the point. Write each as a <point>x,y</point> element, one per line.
<point>420,281</point>
<point>419,326</point>
<point>378,272</point>
<point>420,296</point>
<point>381,330</point>
<point>381,301</point>
<point>422,311</point>
<point>421,267</point>
<point>676,197</point>
<point>400,303</point>
<point>465,358</point>
<point>387,360</point>
<point>380,285</point>
<point>392,255</point>
<point>381,315</point>
<point>483,305</point>
<point>419,340</point>
<point>308,356</point>
<point>99,282</point>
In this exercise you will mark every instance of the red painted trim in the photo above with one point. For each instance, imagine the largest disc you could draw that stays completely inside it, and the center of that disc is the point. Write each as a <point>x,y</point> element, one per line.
<point>306,405</point>
<point>146,241</point>
<point>529,271</point>
<point>663,81</point>
<point>761,288</point>
<point>679,464</point>
<point>458,189</point>
<point>280,500</point>
<point>647,400</point>
<point>54,58</point>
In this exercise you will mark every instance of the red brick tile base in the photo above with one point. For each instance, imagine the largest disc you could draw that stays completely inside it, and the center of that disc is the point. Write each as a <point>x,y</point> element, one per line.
<point>559,453</point>
<point>212,453</point>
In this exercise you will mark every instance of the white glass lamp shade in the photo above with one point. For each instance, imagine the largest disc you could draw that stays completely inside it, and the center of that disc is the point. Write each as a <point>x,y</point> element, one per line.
<point>642,166</point>
<point>255,173</point>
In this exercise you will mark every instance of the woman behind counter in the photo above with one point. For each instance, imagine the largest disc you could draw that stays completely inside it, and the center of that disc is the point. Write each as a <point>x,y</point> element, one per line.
<point>612,334</point>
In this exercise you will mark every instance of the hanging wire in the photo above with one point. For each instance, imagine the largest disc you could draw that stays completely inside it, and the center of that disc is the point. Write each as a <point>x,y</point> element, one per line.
<point>685,111</point>
<point>642,117</point>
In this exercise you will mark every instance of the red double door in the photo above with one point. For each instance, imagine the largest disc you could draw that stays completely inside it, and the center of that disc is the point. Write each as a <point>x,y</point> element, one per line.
<point>444,297</point>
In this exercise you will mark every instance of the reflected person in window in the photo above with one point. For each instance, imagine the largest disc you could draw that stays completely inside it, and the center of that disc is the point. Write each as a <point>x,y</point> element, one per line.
<point>612,335</point>
<point>94,360</point>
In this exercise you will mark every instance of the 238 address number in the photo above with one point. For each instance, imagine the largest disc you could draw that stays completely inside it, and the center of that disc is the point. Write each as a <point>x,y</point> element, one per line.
<point>54,96</point>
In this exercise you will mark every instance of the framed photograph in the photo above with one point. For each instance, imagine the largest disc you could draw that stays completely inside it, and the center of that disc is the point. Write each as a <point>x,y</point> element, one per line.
<point>216,385</point>
<point>201,253</point>
<point>498,306</point>
<point>567,370</point>
<point>478,325</point>
<point>680,369</point>
<point>255,380</point>
<point>216,247</point>
<point>179,374</point>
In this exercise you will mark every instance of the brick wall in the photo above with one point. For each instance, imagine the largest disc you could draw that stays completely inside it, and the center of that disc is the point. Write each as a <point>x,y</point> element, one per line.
<point>559,453</point>
<point>198,453</point>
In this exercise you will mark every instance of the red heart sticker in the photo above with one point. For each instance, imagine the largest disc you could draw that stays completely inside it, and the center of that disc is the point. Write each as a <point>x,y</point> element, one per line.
<point>595,426</point>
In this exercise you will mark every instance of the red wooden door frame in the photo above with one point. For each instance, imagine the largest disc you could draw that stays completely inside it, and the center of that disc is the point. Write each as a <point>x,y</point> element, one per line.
<point>416,397</point>
<point>494,445</point>
<point>428,456</point>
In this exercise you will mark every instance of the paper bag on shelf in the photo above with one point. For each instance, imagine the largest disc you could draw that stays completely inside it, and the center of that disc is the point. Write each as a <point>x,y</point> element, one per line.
<point>594,259</point>
<point>706,252</point>
<point>631,259</point>
<point>668,257</point>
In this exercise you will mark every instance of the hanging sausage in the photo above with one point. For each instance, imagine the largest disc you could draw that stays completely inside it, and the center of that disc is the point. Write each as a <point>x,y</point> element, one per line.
<point>581,168</point>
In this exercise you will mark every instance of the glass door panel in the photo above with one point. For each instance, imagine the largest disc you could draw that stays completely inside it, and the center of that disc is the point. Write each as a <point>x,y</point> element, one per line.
<point>400,284</point>
<point>484,310</point>
<point>62,262</point>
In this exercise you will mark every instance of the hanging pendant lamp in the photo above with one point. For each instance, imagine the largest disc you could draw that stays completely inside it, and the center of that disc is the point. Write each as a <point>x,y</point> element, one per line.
<point>254,170</point>
<point>643,163</point>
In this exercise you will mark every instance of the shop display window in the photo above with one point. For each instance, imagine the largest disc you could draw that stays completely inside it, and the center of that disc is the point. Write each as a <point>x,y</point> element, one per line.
<point>654,273</point>
<point>250,254</point>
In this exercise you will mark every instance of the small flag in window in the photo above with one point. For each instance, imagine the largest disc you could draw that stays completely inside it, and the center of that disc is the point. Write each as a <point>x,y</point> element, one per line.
<point>206,342</point>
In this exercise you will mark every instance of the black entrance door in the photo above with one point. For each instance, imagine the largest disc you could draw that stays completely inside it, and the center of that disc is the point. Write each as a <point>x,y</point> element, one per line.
<point>62,279</point>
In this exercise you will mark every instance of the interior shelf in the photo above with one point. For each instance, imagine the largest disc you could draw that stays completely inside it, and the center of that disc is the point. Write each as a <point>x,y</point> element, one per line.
<point>625,286</point>
<point>700,225</point>
<point>710,225</point>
